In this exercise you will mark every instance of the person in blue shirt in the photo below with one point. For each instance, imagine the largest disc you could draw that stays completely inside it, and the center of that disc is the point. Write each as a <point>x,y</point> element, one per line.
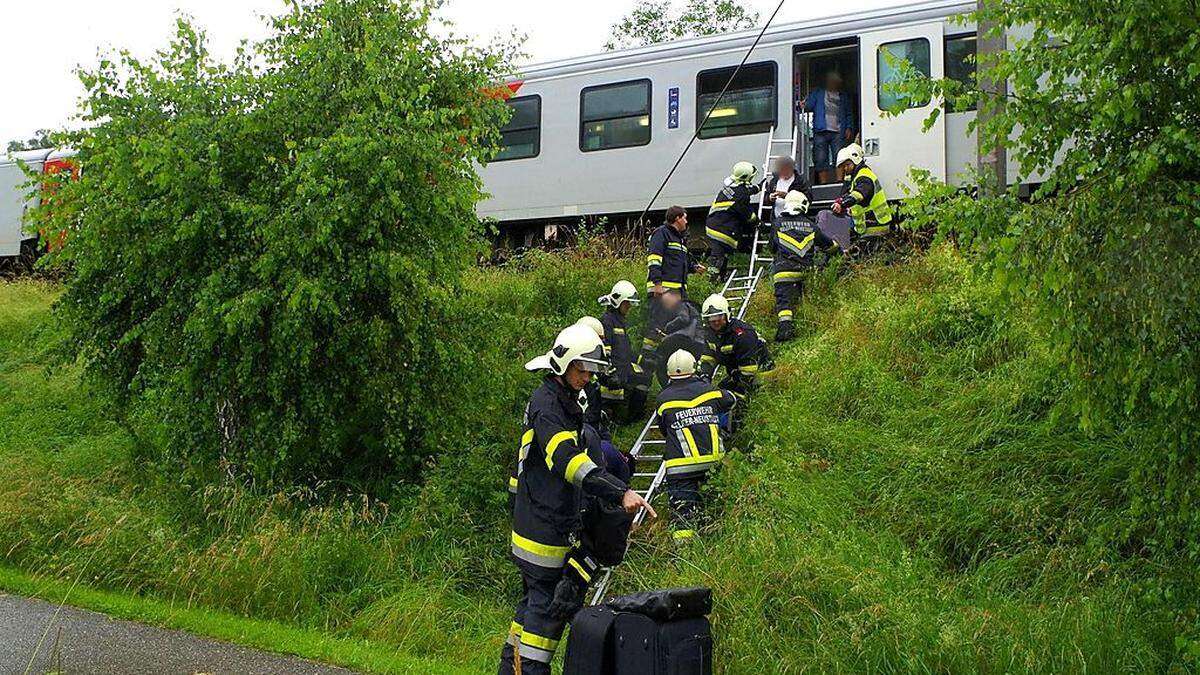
<point>833,123</point>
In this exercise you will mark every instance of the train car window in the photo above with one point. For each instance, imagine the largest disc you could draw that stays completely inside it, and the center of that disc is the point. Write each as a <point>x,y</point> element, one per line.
<point>614,115</point>
<point>748,107</point>
<point>521,138</point>
<point>898,61</point>
<point>960,64</point>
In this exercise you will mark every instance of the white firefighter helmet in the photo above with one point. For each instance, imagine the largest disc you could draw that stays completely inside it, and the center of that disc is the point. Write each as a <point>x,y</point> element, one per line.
<point>795,203</point>
<point>681,364</point>
<point>743,172</point>
<point>622,291</point>
<point>574,344</point>
<point>593,323</point>
<point>851,153</point>
<point>715,305</point>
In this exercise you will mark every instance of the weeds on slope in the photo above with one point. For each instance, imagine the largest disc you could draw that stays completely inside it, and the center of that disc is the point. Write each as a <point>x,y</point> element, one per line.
<point>908,496</point>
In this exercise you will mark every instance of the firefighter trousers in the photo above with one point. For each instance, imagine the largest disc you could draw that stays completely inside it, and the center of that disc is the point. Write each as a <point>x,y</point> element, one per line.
<point>721,245</point>
<point>687,508</point>
<point>533,631</point>
<point>787,295</point>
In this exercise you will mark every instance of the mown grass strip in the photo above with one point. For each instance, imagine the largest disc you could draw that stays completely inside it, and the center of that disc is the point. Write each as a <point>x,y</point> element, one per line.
<point>266,635</point>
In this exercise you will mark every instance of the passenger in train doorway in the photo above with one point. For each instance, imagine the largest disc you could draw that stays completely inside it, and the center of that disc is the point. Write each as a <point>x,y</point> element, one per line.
<point>833,123</point>
<point>731,217</point>
<point>785,179</point>
<point>863,199</point>
<point>668,265</point>
<point>689,417</point>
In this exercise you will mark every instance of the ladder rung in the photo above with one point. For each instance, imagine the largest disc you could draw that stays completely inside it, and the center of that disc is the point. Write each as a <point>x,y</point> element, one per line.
<point>648,457</point>
<point>645,474</point>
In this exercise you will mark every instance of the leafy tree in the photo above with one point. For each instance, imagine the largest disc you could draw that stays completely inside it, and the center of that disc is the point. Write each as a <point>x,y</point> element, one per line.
<point>1103,102</point>
<point>40,141</point>
<point>654,22</point>
<point>260,252</point>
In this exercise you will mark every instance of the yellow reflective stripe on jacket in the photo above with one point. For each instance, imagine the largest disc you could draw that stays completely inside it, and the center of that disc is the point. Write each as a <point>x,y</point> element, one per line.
<point>665,284</point>
<point>654,259</point>
<point>587,578</point>
<point>787,276</point>
<point>720,236</point>
<point>551,554</point>
<point>720,205</point>
<point>725,349</point>
<point>555,441</point>
<point>716,439</point>
<point>693,449</point>
<point>878,206</point>
<point>512,483</point>
<point>800,247</point>
<point>676,245</point>
<point>695,460</point>
<point>618,331</point>
<point>785,313</point>
<point>579,467</point>
<point>702,398</point>
<point>748,370</point>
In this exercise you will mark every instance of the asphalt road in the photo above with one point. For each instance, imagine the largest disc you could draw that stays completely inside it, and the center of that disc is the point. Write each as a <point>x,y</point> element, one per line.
<point>82,642</point>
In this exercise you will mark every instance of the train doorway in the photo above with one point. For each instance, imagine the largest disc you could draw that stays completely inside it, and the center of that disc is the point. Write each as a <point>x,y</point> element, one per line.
<point>818,70</point>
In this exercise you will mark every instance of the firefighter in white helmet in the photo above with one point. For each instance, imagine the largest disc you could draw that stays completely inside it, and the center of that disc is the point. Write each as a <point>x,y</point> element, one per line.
<point>554,471</point>
<point>794,240</point>
<point>625,388</point>
<point>593,414</point>
<point>731,217</point>
<point>862,198</point>
<point>734,345</point>
<point>689,417</point>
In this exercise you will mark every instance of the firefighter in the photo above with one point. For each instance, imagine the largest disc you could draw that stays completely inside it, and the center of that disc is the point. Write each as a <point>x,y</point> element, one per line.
<point>625,389</point>
<point>668,264</point>
<point>689,411</point>
<point>553,473</point>
<point>733,344</point>
<point>731,217</point>
<point>863,199</point>
<point>794,238</point>
<point>593,412</point>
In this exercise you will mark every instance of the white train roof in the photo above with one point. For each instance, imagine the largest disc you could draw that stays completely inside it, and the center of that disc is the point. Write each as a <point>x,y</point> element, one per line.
<point>810,30</point>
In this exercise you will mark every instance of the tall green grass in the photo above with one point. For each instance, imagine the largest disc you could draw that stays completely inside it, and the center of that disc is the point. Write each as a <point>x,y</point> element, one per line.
<point>907,497</point>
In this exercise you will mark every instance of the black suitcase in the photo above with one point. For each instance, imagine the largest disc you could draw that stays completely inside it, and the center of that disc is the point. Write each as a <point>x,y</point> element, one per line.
<point>644,646</point>
<point>590,644</point>
<point>661,632</point>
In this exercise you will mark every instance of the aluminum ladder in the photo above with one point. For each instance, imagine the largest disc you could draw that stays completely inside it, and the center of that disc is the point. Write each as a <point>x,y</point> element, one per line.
<point>648,449</point>
<point>738,289</point>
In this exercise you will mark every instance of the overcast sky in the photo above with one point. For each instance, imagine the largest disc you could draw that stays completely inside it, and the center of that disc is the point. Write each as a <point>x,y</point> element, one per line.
<point>43,42</point>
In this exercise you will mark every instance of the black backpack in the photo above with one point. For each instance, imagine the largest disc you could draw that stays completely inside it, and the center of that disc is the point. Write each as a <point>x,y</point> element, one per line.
<point>652,633</point>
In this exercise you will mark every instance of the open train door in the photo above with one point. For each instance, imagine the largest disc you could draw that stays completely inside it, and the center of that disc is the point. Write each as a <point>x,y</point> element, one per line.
<point>896,143</point>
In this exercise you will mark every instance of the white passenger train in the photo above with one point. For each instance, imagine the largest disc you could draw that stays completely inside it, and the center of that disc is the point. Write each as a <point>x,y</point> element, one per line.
<point>595,135</point>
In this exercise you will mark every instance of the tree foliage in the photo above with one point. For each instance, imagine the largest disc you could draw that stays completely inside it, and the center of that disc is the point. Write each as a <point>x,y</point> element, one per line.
<point>40,141</point>
<point>260,252</point>
<point>654,22</point>
<point>1103,110</point>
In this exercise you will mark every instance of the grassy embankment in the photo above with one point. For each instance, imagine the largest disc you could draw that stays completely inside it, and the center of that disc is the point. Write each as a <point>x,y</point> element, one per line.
<point>910,497</point>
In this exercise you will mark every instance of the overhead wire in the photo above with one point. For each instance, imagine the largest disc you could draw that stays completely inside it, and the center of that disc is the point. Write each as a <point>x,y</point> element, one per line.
<point>707,115</point>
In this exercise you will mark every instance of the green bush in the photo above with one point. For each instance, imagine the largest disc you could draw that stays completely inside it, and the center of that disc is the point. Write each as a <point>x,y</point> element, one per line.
<point>1107,251</point>
<point>261,254</point>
